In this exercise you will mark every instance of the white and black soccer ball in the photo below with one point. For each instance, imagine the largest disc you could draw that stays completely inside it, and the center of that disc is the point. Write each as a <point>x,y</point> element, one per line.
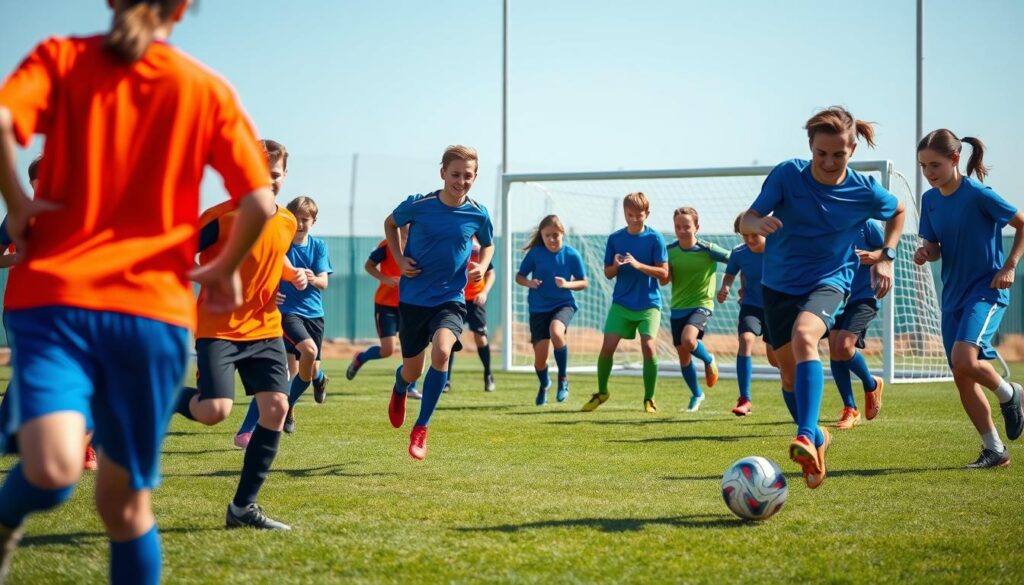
<point>754,488</point>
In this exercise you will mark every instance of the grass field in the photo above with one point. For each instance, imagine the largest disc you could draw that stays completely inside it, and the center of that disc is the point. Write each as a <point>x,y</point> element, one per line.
<point>514,493</point>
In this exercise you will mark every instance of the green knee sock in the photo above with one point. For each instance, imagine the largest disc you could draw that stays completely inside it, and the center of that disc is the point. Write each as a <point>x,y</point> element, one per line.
<point>604,371</point>
<point>650,378</point>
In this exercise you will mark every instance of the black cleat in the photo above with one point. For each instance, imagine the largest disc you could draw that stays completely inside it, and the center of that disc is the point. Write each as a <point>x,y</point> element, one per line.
<point>320,390</point>
<point>353,368</point>
<point>9,539</point>
<point>289,421</point>
<point>990,458</point>
<point>1013,416</point>
<point>252,516</point>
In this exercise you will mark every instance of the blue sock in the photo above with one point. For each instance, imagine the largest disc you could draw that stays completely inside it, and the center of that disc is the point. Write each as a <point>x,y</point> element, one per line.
<point>137,561</point>
<point>859,366</point>
<point>690,375</point>
<point>401,386</point>
<point>744,367</point>
<point>542,375</point>
<point>562,361</point>
<point>320,375</point>
<point>297,388</point>
<point>841,376</point>
<point>810,382</point>
<point>370,353</point>
<point>252,416</point>
<point>701,353</point>
<point>433,385</point>
<point>790,398</point>
<point>19,498</point>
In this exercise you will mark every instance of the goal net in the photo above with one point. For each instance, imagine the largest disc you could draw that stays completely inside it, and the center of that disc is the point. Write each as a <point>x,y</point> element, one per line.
<point>903,344</point>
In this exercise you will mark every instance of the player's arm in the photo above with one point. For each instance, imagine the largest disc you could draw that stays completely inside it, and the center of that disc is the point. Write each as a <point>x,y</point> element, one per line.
<point>391,234</point>
<point>20,207</point>
<point>490,277</point>
<point>318,280</point>
<point>486,255</point>
<point>753,222</point>
<point>659,271</point>
<point>881,273</point>
<point>1004,278</point>
<point>297,277</point>
<point>612,270</point>
<point>723,291</point>
<point>927,252</point>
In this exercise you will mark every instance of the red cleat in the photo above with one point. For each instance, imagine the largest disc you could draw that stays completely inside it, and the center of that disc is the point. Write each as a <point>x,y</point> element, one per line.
<point>396,409</point>
<point>743,407</point>
<point>418,443</point>
<point>804,454</point>
<point>90,458</point>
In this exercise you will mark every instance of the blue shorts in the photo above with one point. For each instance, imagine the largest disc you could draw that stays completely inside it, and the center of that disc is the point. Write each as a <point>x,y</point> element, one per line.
<point>122,373</point>
<point>975,323</point>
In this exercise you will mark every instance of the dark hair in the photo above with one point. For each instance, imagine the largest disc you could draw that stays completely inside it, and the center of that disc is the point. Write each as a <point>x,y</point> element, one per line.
<point>687,211</point>
<point>33,168</point>
<point>536,239</point>
<point>736,224</point>
<point>134,26</point>
<point>837,120</point>
<point>274,151</point>
<point>946,143</point>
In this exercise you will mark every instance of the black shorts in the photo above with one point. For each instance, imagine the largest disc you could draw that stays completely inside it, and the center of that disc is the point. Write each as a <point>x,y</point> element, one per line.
<point>540,323</point>
<point>261,364</point>
<point>781,310</point>
<point>387,320</point>
<point>697,317</point>
<point>856,318</point>
<point>418,325</point>
<point>751,320</point>
<point>298,329</point>
<point>476,318</point>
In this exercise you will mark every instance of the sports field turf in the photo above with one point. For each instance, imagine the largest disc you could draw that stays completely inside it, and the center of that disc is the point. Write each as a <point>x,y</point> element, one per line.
<point>510,492</point>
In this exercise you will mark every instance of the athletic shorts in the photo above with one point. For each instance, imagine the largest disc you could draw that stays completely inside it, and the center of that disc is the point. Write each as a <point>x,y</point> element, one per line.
<point>476,318</point>
<point>540,323</point>
<point>781,310</point>
<point>418,325</point>
<point>387,320</point>
<point>856,317</point>
<point>121,372</point>
<point>626,322</point>
<point>696,317</point>
<point>261,364</point>
<point>975,323</point>
<point>751,320</point>
<point>298,329</point>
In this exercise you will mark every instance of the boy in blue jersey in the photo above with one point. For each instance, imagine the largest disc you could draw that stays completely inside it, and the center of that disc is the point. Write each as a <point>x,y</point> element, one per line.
<point>747,260</point>
<point>636,257</point>
<point>961,223</point>
<point>434,274</point>
<point>302,318</point>
<point>851,327</point>
<point>811,212</point>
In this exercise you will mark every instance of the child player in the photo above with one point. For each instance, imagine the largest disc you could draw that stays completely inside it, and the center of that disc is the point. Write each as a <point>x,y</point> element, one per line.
<point>476,317</point>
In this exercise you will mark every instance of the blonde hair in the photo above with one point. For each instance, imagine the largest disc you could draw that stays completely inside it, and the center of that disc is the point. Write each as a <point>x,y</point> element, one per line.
<point>536,239</point>
<point>274,151</point>
<point>134,27</point>
<point>303,203</point>
<point>459,152</point>
<point>638,201</point>
<point>838,121</point>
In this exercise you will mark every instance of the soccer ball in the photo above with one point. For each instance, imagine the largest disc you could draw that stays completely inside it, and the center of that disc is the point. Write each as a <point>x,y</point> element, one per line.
<point>754,488</point>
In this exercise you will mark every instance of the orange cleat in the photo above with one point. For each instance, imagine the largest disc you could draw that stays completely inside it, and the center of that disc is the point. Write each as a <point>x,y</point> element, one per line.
<point>873,399</point>
<point>418,443</point>
<point>848,419</point>
<point>743,407</point>
<point>90,458</point>
<point>711,373</point>
<point>814,480</point>
<point>804,454</point>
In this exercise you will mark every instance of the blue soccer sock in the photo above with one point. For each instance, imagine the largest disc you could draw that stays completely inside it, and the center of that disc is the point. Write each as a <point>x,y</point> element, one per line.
<point>562,361</point>
<point>433,385</point>
<point>401,386</point>
<point>841,376</point>
<point>700,352</point>
<point>810,382</point>
<point>370,353</point>
<point>252,416</point>
<point>484,351</point>
<point>859,367</point>
<point>542,376</point>
<point>790,399</point>
<point>690,375</point>
<point>137,561</point>
<point>184,400</point>
<point>319,375</point>
<point>744,368</point>
<point>19,498</point>
<point>298,387</point>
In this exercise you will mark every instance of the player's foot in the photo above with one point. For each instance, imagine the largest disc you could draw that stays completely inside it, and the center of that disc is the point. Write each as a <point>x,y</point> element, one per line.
<point>413,393</point>
<point>694,405</point>
<point>990,458</point>
<point>743,407</point>
<point>90,459</point>
<point>542,394</point>
<point>489,385</point>
<point>396,408</point>
<point>816,479</point>
<point>848,419</point>
<point>873,399</point>
<point>242,440</point>
<point>563,390</point>
<point>447,387</point>
<point>353,368</point>
<point>595,401</point>
<point>289,421</point>
<point>252,516</point>
<point>320,390</point>
<point>650,406</point>
<point>9,539</point>
<point>1013,416</point>
<point>804,454</point>
<point>418,442</point>
<point>711,372</point>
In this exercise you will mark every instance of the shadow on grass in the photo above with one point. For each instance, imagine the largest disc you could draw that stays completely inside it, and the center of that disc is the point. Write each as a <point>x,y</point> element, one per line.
<point>620,524</point>
<point>718,438</point>
<point>80,538</point>
<point>202,451</point>
<point>544,410</point>
<point>480,407</point>
<point>335,470</point>
<point>627,422</point>
<point>833,473</point>
<point>200,431</point>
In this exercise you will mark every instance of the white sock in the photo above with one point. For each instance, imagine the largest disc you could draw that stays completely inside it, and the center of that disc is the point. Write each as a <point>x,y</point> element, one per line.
<point>992,441</point>
<point>1004,392</point>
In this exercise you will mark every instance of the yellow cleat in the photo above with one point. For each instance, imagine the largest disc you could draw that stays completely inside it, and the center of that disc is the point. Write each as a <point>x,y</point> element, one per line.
<point>596,400</point>
<point>650,406</point>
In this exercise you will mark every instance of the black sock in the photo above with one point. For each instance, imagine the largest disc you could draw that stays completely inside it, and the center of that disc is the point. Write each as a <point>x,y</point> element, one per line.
<point>484,351</point>
<point>259,455</point>
<point>183,402</point>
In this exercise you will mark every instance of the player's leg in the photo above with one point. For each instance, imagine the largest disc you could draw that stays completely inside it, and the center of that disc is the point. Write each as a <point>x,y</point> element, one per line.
<point>744,368</point>
<point>386,319</point>
<point>476,318</point>
<point>541,349</point>
<point>414,335</point>
<point>315,327</point>
<point>699,319</point>
<point>841,348</point>
<point>557,330</point>
<point>977,328</point>
<point>446,326</point>
<point>619,324</point>
<point>211,401</point>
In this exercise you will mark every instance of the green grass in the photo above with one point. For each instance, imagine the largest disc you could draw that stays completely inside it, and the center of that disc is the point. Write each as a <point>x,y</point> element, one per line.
<point>514,493</point>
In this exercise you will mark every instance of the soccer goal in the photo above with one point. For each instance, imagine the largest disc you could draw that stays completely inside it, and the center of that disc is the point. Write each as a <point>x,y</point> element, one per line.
<point>904,343</point>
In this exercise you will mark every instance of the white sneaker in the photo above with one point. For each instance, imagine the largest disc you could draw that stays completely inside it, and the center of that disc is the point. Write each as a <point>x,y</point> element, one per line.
<point>695,403</point>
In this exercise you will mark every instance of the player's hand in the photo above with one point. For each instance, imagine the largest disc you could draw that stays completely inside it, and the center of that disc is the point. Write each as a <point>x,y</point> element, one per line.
<point>921,256</point>
<point>19,220</point>
<point>279,298</point>
<point>221,291</point>
<point>300,281</point>
<point>408,267</point>
<point>533,283</point>
<point>560,282</point>
<point>391,281</point>
<point>626,258</point>
<point>769,225</point>
<point>1003,278</point>
<point>881,278</point>
<point>480,298</point>
<point>475,272</point>
<point>869,258</point>
<point>723,293</point>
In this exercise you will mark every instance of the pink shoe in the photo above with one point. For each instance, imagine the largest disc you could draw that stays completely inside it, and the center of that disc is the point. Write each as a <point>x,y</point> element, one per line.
<point>418,442</point>
<point>242,440</point>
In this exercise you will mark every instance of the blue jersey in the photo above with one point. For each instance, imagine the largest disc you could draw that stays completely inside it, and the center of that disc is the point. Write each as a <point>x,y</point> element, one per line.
<point>814,246</point>
<point>870,238</point>
<point>749,265</point>
<point>634,289</point>
<point>545,265</point>
<point>308,303</point>
<point>440,241</point>
<point>968,226</point>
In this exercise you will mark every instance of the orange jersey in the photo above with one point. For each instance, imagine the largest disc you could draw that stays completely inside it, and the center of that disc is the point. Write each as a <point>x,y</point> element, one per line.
<point>261,271</point>
<point>385,295</point>
<point>126,145</point>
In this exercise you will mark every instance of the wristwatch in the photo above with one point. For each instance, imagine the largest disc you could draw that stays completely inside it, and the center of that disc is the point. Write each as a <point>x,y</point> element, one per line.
<point>888,254</point>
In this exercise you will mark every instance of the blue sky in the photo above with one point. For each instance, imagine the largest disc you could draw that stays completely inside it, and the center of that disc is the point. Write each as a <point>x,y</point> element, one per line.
<point>595,85</point>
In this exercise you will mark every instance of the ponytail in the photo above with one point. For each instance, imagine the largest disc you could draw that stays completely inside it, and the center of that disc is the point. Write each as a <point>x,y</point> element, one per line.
<point>134,26</point>
<point>976,164</point>
<point>836,120</point>
<point>945,143</point>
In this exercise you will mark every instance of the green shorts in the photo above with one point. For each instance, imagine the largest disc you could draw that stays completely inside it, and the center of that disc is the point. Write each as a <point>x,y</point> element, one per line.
<point>625,322</point>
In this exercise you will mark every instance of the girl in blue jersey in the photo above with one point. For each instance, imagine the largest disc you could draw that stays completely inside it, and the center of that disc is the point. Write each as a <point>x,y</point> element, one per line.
<point>552,271</point>
<point>811,212</point>
<point>961,223</point>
